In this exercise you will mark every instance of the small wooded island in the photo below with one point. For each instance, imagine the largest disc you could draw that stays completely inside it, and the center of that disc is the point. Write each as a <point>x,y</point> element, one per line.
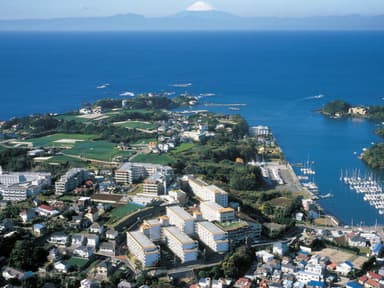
<point>373,156</point>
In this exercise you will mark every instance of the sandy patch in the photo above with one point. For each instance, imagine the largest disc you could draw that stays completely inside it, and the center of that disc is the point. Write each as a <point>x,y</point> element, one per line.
<point>68,141</point>
<point>339,256</point>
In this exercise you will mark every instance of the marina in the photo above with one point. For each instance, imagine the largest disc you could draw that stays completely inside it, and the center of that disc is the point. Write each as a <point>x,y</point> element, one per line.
<point>368,185</point>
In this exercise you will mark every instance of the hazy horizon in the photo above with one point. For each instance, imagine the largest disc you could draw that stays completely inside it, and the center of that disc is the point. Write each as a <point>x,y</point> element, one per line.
<point>49,9</point>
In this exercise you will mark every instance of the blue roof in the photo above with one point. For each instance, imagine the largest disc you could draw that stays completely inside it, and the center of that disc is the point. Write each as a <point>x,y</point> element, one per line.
<point>353,285</point>
<point>315,283</point>
<point>349,263</point>
<point>38,226</point>
<point>303,252</point>
<point>377,248</point>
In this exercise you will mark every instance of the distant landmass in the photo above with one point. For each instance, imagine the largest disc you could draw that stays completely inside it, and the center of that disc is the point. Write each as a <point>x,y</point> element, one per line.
<point>195,20</point>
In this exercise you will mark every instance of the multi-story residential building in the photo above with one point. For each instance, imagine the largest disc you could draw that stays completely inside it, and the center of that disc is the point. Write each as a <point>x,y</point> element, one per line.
<point>212,236</point>
<point>259,131</point>
<point>215,212</point>
<point>17,186</point>
<point>240,231</point>
<point>152,229</point>
<point>208,192</point>
<point>154,185</point>
<point>130,172</point>
<point>142,248</point>
<point>181,219</point>
<point>70,180</point>
<point>180,244</point>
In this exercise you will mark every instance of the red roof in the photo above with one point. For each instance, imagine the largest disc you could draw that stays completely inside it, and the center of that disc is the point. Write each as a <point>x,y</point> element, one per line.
<point>363,279</point>
<point>46,207</point>
<point>372,283</point>
<point>243,283</point>
<point>374,275</point>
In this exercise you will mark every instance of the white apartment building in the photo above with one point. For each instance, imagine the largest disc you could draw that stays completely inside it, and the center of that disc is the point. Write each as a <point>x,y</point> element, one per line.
<point>259,131</point>
<point>152,229</point>
<point>70,180</point>
<point>131,171</point>
<point>305,277</point>
<point>17,186</point>
<point>215,212</point>
<point>181,219</point>
<point>208,192</point>
<point>142,248</point>
<point>154,185</point>
<point>180,244</point>
<point>212,236</point>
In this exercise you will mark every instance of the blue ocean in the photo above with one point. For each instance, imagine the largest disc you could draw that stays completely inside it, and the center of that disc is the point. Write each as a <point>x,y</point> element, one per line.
<point>276,74</point>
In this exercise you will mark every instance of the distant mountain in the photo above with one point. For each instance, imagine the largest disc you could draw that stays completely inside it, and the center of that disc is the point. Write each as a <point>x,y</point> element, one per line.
<point>195,20</point>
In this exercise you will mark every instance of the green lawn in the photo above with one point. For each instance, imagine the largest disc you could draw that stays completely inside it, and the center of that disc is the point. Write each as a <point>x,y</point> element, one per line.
<point>68,117</point>
<point>98,150</point>
<point>183,147</point>
<point>154,158</point>
<point>137,125</point>
<point>145,141</point>
<point>51,140</point>
<point>79,262</point>
<point>122,211</point>
<point>75,162</point>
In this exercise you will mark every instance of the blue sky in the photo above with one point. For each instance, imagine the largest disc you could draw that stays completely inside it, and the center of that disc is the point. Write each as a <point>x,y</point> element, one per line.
<point>16,9</point>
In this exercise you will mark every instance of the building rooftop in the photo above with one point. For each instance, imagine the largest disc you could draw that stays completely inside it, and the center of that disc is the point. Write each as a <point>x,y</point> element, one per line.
<point>179,235</point>
<point>129,165</point>
<point>180,212</point>
<point>231,225</point>
<point>211,227</point>
<point>141,239</point>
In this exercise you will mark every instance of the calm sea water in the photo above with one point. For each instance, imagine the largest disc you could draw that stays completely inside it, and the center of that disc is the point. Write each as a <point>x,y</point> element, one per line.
<point>274,73</point>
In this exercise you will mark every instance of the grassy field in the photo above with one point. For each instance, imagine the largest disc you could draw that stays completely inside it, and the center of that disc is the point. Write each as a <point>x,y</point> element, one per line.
<point>98,150</point>
<point>72,118</point>
<point>183,147</point>
<point>79,262</point>
<point>154,158</point>
<point>79,145</point>
<point>51,140</point>
<point>144,141</point>
<point>137,125</point>
<point>122,211</point>
<point>62,159</point>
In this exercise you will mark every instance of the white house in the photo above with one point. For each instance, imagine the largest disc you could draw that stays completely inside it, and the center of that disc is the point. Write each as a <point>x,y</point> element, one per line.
<point>266,256</point>
<point>344,268</point>
<point>83,252</point>
<point>61,267</point>
<point>58,238</point>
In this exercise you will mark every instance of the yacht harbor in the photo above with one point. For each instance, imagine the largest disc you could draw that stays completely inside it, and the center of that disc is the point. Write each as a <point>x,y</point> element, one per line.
<point>368,185</point>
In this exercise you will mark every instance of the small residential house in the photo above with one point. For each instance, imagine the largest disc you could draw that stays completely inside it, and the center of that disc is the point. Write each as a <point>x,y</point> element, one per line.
<point>78,240</point>
<point>243,283</point>
<point>344,268</point>
<point>47,211</point>
<point>111,234</point>
<point>61,267</point>
<point>107,248</point>
<point>96,228</point>
<point>93,240</point>
<point>58,238</point>
<point>54,255</point>
<point>83,252</point>
<point>39,229</point>
<point>27,214</point>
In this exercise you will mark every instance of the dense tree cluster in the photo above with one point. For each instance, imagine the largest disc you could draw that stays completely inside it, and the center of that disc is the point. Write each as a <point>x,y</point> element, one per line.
<point>374,156</point>
<point>26,255</point>
<point>376,113</point>
<point>15,159</point>
<point>336,107</point>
